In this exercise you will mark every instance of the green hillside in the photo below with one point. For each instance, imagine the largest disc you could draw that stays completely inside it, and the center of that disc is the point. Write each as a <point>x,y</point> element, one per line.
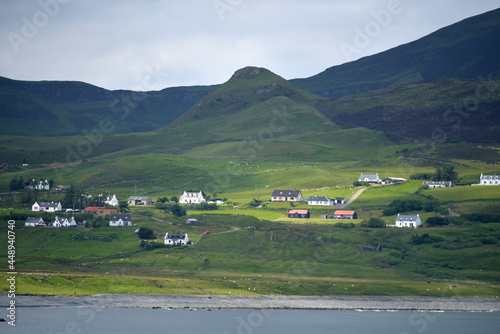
<point>62,108</point>
<point>465,50</point>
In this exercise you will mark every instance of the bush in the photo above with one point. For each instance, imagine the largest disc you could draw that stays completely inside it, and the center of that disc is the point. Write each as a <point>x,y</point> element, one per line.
<point>437,221</point>
<point>424,239</point>
<point>375,223</point>
<point>146,233</point>
<point>178,210</point>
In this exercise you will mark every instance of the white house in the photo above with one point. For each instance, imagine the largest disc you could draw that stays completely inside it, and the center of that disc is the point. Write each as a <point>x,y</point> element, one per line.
<point>319,200</point>
<point>64,222</point>
<point>113,201</point>
<point>34,222</point>
<point>408,221</point>
<point>118,219</point>
<point>192,197</point>
<point>372,178</point>
<point>174,239</point>
<point>339,200</point>
<point>40,185</point>
<point>286,196</point>
<point>489,180</point>
<point>47,206</point>
<point>438,184</point>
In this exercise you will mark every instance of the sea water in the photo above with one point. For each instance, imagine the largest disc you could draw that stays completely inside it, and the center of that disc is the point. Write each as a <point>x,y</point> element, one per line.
<point>79,320</point>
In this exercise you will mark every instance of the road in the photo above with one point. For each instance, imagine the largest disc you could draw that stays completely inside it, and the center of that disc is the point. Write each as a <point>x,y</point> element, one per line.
<point>352,199</point>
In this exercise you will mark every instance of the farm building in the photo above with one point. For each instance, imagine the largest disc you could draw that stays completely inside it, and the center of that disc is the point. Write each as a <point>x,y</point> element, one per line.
<point>438,184</point>
<point>286,196</point>
<point>140,200</point>
<point>299,214</point>
<point>345,214</point>
<point>100,211</point>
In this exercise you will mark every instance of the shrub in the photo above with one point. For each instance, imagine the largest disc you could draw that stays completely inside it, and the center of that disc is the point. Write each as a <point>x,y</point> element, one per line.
<point>375,223</point>
<point>146,233</point>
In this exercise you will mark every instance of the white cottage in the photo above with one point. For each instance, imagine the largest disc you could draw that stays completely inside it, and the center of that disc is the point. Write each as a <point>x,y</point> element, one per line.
<point>174,239</point>
<point>117,219</point>
<point>319,200</point>
<point>489,180</point>
<point>113,201</point>
<point>192,197</point>
<point>64,222</point>
<point>438,184</point>
<point>371,178</point>
<point>34,222</point>
<point>408,221</point>
<point>47,206</point>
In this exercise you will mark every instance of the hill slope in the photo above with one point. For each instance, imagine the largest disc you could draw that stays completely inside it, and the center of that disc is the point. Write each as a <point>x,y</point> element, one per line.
<point>53,108</point>
<point>464,50</point>
<point>254,104</point>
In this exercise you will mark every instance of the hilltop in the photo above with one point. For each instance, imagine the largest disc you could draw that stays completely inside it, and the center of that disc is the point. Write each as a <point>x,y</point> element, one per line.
<point>464,50</point>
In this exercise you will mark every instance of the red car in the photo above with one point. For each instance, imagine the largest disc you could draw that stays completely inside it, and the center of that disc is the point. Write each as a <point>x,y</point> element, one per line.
<point>207,232</point>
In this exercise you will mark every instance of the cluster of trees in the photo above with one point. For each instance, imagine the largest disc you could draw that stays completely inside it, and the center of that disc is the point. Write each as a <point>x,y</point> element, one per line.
<point>180,211</point>
<point>414,204</point>
<point>425,239</point>
<point>445,172</point>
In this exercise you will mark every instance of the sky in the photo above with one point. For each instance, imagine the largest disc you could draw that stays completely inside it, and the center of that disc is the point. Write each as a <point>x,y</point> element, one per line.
<point>154,44</point>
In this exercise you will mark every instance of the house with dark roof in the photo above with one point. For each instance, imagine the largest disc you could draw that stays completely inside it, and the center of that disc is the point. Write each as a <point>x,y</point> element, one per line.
<point>339,200</point>
<point>119,219</point>
<point>34,222</point>
<point>319,200</point>
<point>47,206</point>
<point>176,239</point>
<point>286,196</point>
<point>299,214</point>
<point>438,184</point>
<point>345,214</point>
<point>371,178</point>
<point>408,221</point>
<point>64,222</point>
<point>139,200</point>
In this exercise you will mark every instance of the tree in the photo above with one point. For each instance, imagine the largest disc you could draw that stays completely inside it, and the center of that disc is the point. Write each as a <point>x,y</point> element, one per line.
<point>375,223</point>
<point>446,172</point>
<point>178,210</point>
<point>162,199</point>
<point>146,233</point>
<point>174,199</point>
<point>123,206</point>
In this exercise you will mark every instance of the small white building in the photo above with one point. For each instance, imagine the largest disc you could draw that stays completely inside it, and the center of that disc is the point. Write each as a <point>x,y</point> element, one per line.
<point>117,219</point>
<point>174,239</point>
<point>371,178</point>
<point>438,184</point>
<point>489,180</point>
<point>64,222</point>
<point>113,201</point>
<point>192,198</point>
<point>408,221</point>
<point>319,200</point>
<point>47,206</point>
<point>34,222</point>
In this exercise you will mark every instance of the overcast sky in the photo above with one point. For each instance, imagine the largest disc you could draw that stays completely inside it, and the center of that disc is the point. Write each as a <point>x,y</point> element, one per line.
<point>154,44</point>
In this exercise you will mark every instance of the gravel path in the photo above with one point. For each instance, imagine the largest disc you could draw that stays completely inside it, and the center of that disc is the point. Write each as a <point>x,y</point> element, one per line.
<point>263,302</point>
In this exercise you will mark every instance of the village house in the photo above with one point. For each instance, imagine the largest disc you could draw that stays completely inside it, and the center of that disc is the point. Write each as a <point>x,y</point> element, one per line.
<point>47,206</point>
<point>489,180</point>
<point>371,178</point>
<point>339,200</point>
<point>286,196</point>
<point>117,219</point>
<point>174,239</point>
<point>34,222</point>
<point>139,200</point>
<point>192,198</point>
<point>39,185</point>
<point>438,184</point>
<point>345,214</point>
<point>319,200</point>
<point>299,214</point>
<point>111,200</point>
<point>64,222</point>
<point>191,221</point>
<point>100,211</point>
<point>408,221</point>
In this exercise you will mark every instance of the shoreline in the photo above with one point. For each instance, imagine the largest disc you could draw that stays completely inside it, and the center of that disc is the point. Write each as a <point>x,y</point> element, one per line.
<point>364,303</point>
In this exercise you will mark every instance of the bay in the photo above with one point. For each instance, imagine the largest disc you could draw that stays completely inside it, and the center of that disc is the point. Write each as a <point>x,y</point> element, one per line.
<point>69,320</point>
